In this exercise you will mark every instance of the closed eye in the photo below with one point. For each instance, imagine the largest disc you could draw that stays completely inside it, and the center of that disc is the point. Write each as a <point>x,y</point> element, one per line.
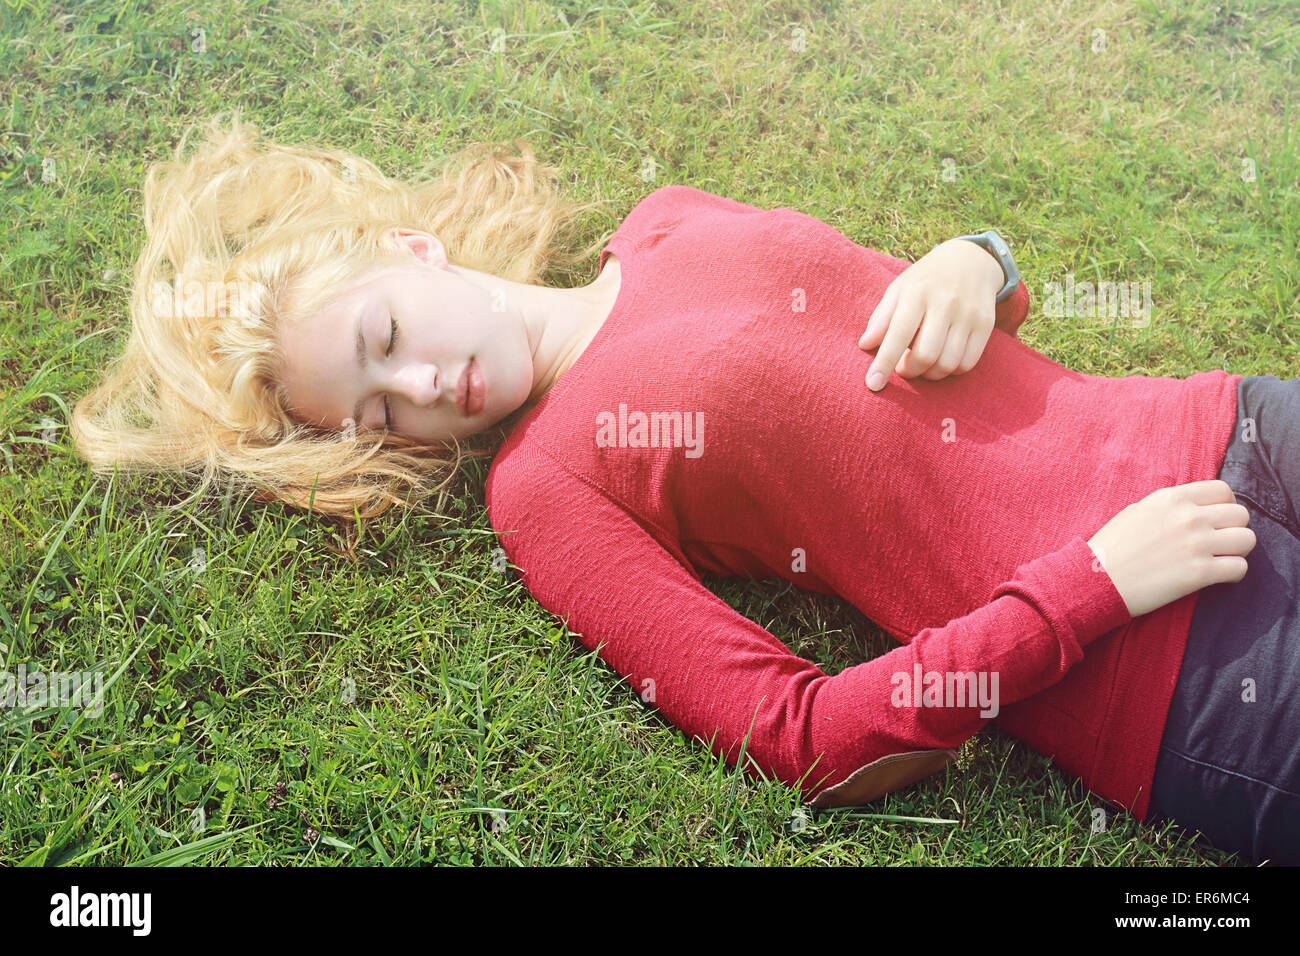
<point>392,338</point>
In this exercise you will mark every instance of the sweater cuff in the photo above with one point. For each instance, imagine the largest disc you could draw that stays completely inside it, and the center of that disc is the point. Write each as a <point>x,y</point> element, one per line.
<point>1072,591</point>
<point>1011,314</point>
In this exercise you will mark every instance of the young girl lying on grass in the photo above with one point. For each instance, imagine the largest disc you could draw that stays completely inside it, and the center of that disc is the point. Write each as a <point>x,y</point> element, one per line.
<point>1061,553</point>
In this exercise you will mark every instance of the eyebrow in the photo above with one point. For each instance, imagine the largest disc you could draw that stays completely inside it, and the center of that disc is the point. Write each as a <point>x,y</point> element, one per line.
<point>361,362</point>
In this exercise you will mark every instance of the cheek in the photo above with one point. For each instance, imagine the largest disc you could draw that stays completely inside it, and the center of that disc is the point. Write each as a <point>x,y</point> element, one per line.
<point>503,369</point>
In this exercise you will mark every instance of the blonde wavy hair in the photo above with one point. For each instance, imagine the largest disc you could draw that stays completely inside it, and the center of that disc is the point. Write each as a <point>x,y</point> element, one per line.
<point>274,230</point>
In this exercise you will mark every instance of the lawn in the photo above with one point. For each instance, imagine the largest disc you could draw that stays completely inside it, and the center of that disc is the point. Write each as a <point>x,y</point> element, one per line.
<point>279,689</point>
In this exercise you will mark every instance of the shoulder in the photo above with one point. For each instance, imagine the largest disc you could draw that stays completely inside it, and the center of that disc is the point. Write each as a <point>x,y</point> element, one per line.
<point>527,485</point>
<point>679,196</point>
<point>668,206</point>
<point>517,466</point>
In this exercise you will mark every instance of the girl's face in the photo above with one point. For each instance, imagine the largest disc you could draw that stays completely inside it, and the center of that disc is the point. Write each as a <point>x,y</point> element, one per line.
<point>416,348</point>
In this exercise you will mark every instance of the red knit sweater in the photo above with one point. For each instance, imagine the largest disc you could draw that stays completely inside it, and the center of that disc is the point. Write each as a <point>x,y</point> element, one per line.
<point>954,514</point>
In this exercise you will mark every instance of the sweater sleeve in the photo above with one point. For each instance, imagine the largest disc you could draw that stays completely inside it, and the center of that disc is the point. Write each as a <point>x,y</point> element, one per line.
<point>722,679</point>
<point>1010,315</point>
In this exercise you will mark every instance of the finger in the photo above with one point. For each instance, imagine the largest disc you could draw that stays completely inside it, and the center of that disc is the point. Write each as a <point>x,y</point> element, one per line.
<point>1226,515</point>
<point>1228,568</point>
<point>879,320</point>
<point>902,327</point>
<point>975,345</point>
<point>1230,541</point>
<point>1212,491</point>
<point>928,344</point>
<point>953,351</point>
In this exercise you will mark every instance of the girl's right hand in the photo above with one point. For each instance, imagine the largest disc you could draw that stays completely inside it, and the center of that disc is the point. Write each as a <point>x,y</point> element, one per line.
<point>1174,541</point>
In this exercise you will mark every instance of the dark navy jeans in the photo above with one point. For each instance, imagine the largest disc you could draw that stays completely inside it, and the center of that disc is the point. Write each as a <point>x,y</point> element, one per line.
<point>1229,761</point>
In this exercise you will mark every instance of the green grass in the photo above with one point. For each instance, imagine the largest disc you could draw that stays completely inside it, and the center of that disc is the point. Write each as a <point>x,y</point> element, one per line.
<point>390,697</point>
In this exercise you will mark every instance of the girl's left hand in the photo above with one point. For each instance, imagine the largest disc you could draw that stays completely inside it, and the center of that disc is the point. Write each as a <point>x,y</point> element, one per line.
<point>936,316</point>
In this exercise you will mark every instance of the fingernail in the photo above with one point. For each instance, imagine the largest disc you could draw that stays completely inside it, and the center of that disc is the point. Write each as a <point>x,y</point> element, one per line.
<point>875,381</point>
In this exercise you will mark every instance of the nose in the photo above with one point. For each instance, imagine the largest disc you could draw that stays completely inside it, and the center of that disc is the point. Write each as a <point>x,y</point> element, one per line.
<point>419,382</point>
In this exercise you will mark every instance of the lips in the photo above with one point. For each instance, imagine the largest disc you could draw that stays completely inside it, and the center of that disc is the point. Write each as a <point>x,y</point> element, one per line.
<point>471,390</point>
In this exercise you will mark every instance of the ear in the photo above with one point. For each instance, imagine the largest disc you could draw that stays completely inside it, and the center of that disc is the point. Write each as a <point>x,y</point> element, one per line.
<point>425,247</point>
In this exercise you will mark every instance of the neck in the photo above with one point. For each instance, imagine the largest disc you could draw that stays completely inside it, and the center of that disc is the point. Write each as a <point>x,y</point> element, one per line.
<point>560,323</point>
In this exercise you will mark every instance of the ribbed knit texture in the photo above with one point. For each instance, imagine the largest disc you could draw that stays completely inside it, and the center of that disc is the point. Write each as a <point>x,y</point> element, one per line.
<point>954,514</point>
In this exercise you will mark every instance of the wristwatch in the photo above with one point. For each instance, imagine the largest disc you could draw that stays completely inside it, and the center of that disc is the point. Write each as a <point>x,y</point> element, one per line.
<point>997,247</point>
